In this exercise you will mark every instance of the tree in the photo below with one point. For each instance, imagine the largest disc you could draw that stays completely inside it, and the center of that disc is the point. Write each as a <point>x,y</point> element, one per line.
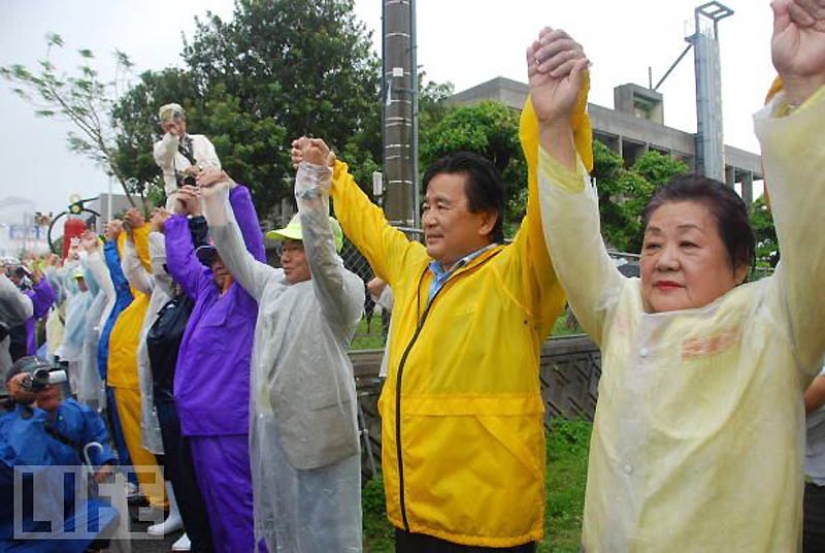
<point>489,129</point>
<point>767,245</point>
<point>624,192</point>
<point>82,99</point>
<point>279,70</point>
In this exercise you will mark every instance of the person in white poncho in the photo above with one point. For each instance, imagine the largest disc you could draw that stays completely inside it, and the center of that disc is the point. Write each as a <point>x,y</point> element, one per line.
<point>304,441</point>
<point>698,438</point>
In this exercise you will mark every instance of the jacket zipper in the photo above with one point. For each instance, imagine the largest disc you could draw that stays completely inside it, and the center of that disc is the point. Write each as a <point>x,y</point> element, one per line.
<point>398,380</point>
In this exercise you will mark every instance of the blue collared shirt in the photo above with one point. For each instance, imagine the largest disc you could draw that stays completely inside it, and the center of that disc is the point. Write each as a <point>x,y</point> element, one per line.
<point>442,276</point>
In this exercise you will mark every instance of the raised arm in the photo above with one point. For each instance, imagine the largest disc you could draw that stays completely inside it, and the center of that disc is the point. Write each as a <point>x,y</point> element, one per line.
<point>181,261</point>
<point>42,296</point>
<point>386,248</point>
<point>216,190</point>
<point>137,242</point>
<point>569,208</point>
<point>15,306</point>
<point>119,281</point>
<point>790,133</point>
<point>340,293</point>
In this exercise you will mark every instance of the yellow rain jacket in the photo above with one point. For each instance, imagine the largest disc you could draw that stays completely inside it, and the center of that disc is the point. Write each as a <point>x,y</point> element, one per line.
<point>123,343</point>
<point>462,411</point>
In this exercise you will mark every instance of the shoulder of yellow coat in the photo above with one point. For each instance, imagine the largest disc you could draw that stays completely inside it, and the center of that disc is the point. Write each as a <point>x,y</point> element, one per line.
<point>582,129</point>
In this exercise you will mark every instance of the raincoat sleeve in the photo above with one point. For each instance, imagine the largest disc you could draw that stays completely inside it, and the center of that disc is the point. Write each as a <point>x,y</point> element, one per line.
<point>543,294</point>
<point>341,299</point>
<point>570,213</point>
<point>138,277</point>
<point>43,297</point>
<point>246,265</point>
<point>164,153</point>
<point>15,306</point>
<point>181,261</point>
<point>157,254</point>
<point>794,161</point>
<point>97,269</point>
<point>120,284</point>
<point>387,249</point>
<point>91,280</point>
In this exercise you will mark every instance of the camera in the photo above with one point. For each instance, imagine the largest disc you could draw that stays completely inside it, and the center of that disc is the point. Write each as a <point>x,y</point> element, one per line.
<point>42,377</point>
<point>184,179</point>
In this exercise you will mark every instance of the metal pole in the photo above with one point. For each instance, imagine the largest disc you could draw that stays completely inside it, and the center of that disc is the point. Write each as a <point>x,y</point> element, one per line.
<point>399,78</point>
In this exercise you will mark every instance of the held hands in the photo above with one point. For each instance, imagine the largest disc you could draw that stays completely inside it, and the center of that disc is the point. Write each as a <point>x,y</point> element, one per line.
<point>311,150</point>
<point>159,217</point>
<point>798,46</point>
<point>555,63</point>
<point>188,201</point>
<point>113,229</point>
<point>88,241</point>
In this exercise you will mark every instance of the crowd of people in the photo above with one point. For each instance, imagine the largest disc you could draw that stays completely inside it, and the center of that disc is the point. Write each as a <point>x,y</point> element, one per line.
<point>234,376</point>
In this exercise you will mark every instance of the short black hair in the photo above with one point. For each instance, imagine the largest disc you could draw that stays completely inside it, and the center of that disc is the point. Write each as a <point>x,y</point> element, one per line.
<point>724,205</point>
<point>483,187</point>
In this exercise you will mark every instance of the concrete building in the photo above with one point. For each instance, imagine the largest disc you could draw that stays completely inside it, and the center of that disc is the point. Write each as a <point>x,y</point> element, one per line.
<point>634,127</point>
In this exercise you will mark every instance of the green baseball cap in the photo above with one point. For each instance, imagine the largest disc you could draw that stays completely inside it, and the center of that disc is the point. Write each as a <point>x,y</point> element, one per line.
<point>293,232</point>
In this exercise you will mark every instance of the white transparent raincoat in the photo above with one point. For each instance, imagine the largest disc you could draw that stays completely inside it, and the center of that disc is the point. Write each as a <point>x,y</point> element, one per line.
<point>698,440</point>
<point>157,286</point>
<point>90,388</point>
<point>303,436</point>
<point>15,309</point>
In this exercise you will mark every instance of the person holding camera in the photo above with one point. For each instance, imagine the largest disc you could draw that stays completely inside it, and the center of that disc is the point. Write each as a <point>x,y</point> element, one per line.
<point>180,155</point>
<point>47,434</point>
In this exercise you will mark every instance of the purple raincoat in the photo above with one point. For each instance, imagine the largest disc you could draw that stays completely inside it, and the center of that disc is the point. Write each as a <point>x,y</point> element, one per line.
<point>212,375</point>
<point>43,297</point>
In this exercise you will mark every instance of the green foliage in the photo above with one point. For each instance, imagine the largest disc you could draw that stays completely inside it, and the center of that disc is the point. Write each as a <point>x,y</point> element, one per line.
<point>767,245</point>
<point>489,129</point>
<point>81,98</point>
<point>568,446</point>
<point>624,192</point>
<point>379,534</point>
<point>279,70</point>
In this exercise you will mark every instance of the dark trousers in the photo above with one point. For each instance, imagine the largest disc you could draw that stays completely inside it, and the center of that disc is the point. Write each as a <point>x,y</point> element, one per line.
<point>180,470</point>
<point>813,535</point>
<point>406,542</point>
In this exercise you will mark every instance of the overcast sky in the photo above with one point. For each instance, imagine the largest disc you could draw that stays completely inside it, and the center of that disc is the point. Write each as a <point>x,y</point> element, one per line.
<point>465,42</point>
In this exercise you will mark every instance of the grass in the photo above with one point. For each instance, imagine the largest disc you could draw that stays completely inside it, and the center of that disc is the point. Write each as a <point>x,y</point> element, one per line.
<point>567,446</point>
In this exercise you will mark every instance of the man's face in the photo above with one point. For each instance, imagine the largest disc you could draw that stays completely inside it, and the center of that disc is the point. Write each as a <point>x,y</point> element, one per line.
<point>220,273</point>
<point>451,231</point>
<point>294,262</point>
<point>174,125</point>
<point>49,398</point>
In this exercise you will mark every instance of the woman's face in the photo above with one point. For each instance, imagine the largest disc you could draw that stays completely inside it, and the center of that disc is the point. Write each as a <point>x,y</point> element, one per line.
<point>684,263</point>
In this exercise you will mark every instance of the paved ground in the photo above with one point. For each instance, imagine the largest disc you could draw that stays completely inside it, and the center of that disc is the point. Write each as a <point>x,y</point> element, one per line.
<point>151,545</point>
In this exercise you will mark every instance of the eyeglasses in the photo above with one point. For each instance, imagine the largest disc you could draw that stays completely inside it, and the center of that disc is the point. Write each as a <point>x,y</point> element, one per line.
<point>291,248</point>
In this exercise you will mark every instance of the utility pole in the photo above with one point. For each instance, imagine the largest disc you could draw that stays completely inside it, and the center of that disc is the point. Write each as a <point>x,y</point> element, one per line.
<point>400,113</point>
